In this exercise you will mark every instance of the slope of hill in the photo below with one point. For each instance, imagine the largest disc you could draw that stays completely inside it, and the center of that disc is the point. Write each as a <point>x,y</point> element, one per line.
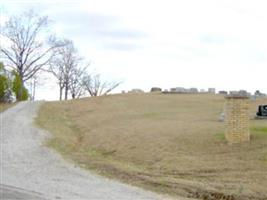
<point>166,143</point>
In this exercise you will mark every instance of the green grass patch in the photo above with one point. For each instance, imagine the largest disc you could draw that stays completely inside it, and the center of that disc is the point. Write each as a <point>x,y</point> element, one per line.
<point>220,136</point>
<point>258,132</point>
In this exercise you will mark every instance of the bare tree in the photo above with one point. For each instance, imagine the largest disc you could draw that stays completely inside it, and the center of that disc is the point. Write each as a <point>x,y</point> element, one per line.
<point>97,87</point>
<point>35,82</point>
<point>26,49</point>
<point>76,85</point>
<point>65,66</point>
<point>57,68</point>
<point>58,71</point>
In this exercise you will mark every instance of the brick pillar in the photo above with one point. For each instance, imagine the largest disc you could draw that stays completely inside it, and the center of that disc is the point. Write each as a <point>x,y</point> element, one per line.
<point>237,119</point>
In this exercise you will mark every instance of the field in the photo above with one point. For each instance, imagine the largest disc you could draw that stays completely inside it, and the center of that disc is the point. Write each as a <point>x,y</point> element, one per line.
<point>166,143</point>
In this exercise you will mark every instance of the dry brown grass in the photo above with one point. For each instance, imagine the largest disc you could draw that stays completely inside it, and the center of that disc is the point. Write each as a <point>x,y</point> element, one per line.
<point>167,143</point>
<point>4,106</point>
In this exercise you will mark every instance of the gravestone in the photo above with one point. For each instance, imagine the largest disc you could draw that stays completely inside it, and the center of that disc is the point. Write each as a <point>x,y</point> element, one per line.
<point>262,111</point>
<point>212,90</point>
<point>155,89</point>
<point>193,90</point>
<point>222,117</point>
<point>223,92</point>
<point>136,90</point>
<point>179,90</point>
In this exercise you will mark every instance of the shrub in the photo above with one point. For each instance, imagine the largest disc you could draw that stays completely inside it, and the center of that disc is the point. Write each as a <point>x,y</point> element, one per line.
<point>5,82</point>
<point>18,88</point>
<point>25,94</point>
<point>3,87</point>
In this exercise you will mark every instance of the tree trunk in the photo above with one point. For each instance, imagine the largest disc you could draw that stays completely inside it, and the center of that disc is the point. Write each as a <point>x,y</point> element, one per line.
<point>66,90</point>
<point>60,93</point>
<point>33,93</point>
<point>60,90</point>
<point>20,89</point>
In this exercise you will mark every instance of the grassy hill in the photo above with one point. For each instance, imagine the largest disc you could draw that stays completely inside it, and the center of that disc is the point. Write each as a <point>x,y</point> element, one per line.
<point>166,143</point>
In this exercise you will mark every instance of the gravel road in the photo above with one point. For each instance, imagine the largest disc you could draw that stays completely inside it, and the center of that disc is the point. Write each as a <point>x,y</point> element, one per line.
<point>27,164</point>
<point>9,192</point>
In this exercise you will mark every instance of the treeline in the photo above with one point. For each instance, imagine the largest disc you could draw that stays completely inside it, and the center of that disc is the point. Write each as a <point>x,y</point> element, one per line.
<point>29,50</point>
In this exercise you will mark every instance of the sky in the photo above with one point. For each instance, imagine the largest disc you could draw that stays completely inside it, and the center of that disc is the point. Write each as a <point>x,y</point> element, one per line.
<point>163,43</point>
